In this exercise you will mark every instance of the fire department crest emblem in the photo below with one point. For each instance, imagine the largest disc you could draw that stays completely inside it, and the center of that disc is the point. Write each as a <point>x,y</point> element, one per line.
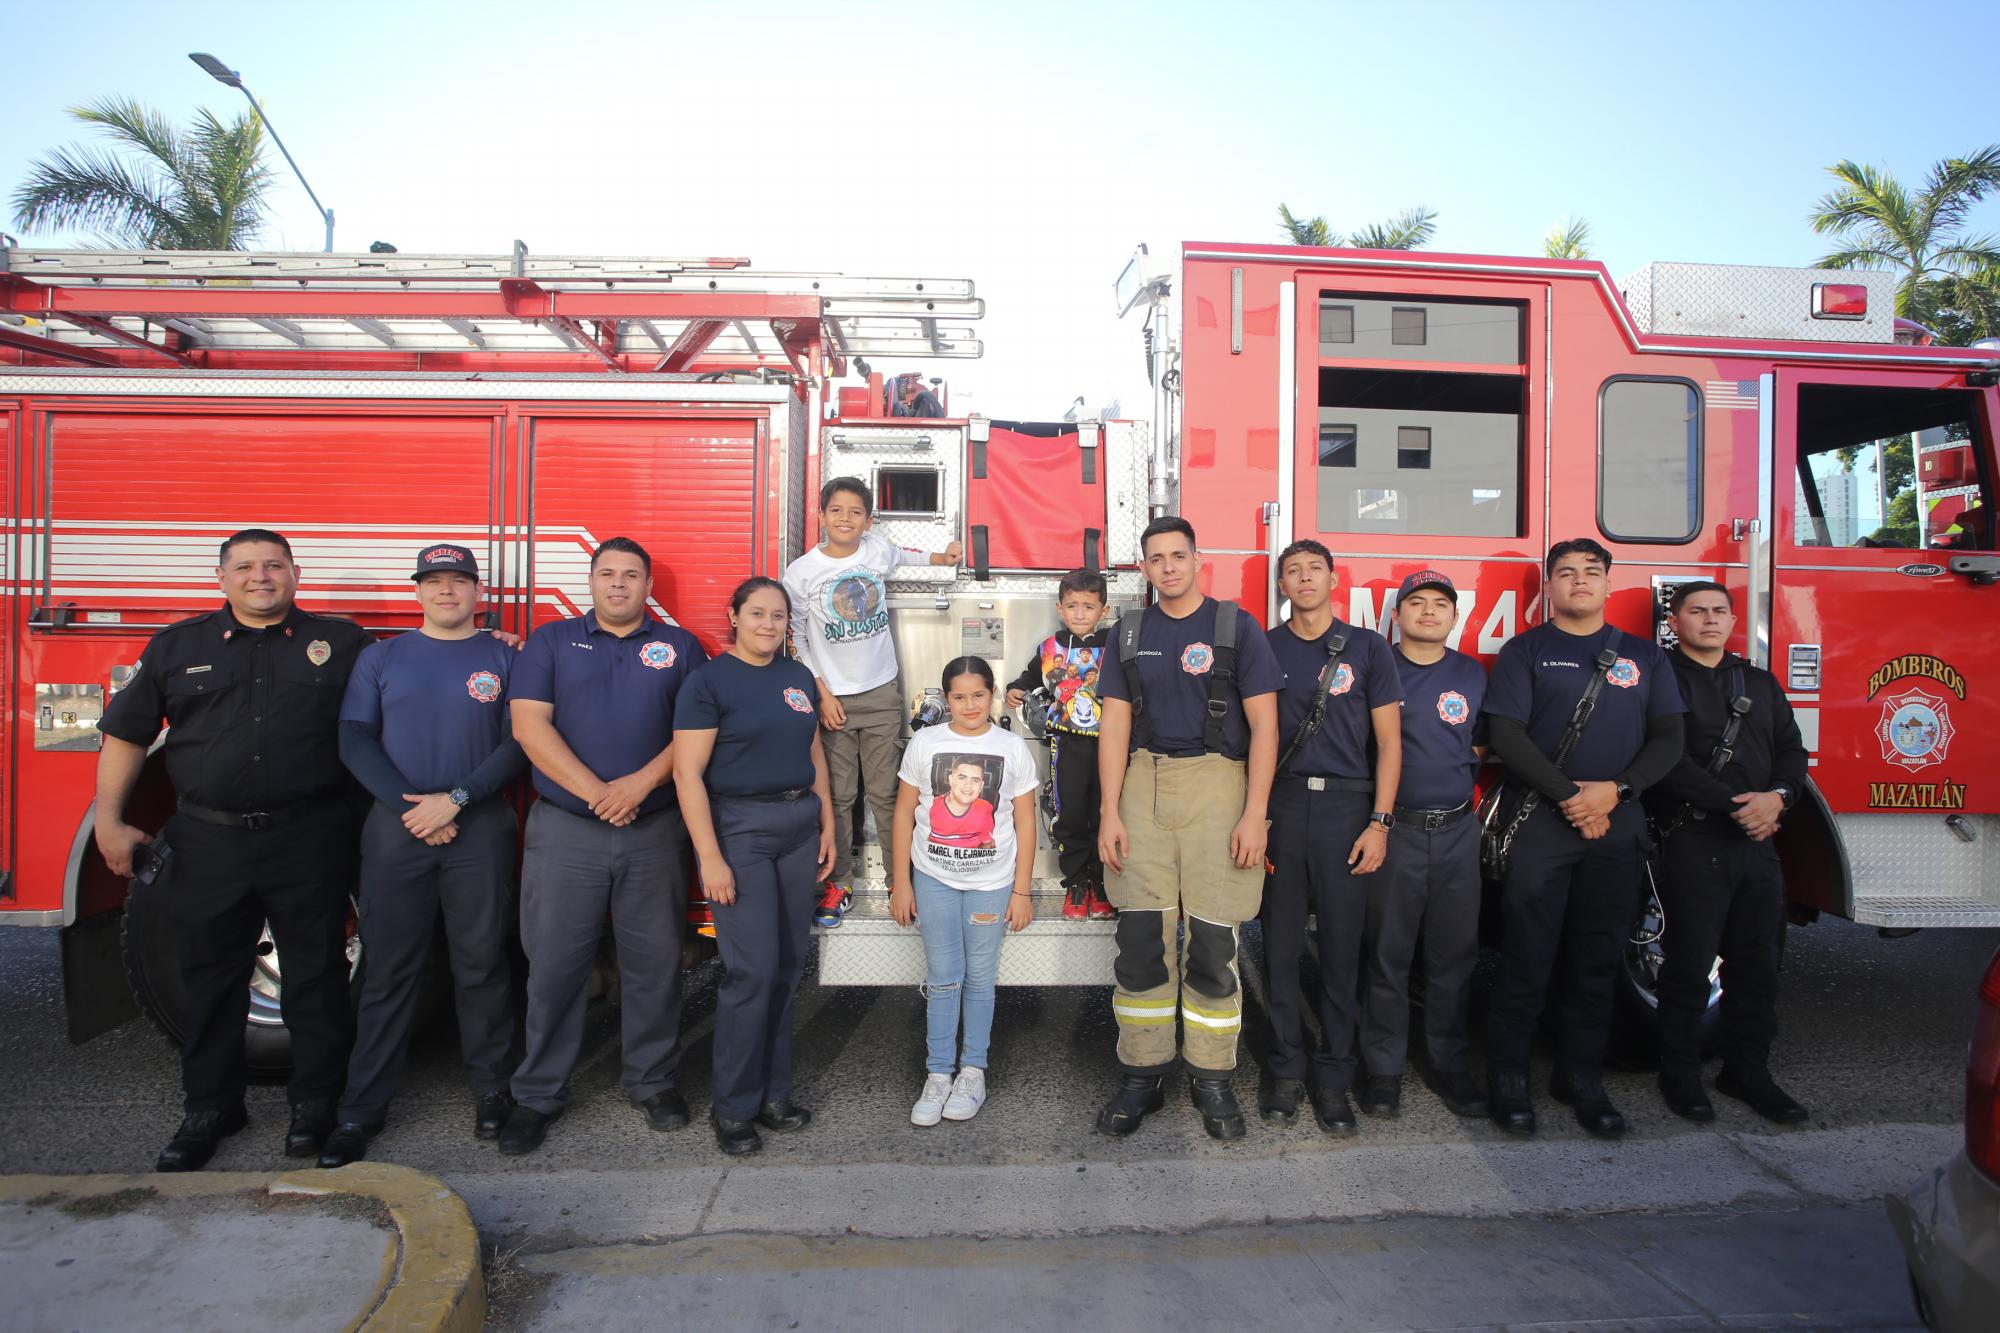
<point>319,652</point>
<point>1453,708</point>
<point>658,656</point>
<point>1915,729</point>
<point>1343,679</point>
<point>1197,658</point>
<point>796,699</point>
<point>483,686</point>
<point>1624,673</point>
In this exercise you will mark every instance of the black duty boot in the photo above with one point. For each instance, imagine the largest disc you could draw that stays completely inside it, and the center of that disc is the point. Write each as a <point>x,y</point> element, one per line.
<point>311,1123</point>
<point>1459,1091</point>
<point>1760,1092</point>
<point>738,1138</point>
<point>1280,1100</point>
<point>784,1117</point>
<point>1138,1096</point>
<point>1216,1100</point>
<point>1333,1111</point>
<point>1510,1105</point>
<point>347,1144</point>
<point>664,1110</point>
<point>201,1132</point>
<point>1684,1096</point>
<point>1382,1094</point>
<point>1585,1095</point>
<point>489,1115</point>
<point>524,1130</point>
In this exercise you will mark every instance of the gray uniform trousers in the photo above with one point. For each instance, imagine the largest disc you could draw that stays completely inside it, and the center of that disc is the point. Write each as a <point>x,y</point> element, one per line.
<point>404,884</point>
<point>1430,886</point>
<point>575,869</point>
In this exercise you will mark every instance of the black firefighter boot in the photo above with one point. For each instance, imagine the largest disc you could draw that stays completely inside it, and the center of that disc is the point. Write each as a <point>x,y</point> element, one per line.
<point>1138,1096</point>
<point>1216,1100</point>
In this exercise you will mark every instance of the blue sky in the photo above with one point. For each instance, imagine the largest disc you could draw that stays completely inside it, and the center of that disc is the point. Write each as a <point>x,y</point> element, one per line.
<point>1029,146</point>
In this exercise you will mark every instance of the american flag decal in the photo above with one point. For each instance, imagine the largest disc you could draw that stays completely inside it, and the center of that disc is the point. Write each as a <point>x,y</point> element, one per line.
<point>1733,395</point>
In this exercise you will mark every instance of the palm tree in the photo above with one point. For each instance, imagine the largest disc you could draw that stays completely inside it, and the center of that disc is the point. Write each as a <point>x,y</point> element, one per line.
<point>201,188</point>
<point>1568,240</point>
<point>1409,230</point>
<point>1950,281</point>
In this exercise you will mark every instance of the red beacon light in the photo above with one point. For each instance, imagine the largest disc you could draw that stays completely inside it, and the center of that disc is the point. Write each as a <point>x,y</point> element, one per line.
<point>1839,300</point>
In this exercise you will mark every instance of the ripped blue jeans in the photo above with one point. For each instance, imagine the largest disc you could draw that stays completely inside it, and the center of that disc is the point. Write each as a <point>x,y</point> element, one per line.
<point>962,930</point>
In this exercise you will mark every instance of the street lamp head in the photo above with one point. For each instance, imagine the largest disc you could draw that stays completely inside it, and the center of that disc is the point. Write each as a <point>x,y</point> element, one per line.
<point>216,70</point>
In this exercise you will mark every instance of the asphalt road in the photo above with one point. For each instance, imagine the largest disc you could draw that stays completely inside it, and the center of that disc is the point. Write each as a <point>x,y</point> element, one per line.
<point>1874,1032</point>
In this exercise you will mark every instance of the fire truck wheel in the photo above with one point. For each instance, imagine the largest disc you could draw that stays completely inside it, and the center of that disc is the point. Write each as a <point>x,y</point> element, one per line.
<point>152,967</point>
<point>1635,1033</point>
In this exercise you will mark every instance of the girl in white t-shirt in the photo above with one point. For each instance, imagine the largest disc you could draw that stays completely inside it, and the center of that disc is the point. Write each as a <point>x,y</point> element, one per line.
<point>963,859</point>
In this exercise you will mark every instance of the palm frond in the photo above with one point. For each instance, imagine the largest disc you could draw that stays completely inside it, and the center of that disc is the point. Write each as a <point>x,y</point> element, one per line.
<point>1568,240</point>
<point>1968,255</point>
<point>136,126</point>
<point>1860,256</point>
<point>1955,185</point>
<point>1304,231</point>
<point>76,188</point>
<point>1411,229</point>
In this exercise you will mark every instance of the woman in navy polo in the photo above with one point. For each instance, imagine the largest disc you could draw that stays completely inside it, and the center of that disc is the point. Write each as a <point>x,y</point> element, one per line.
<point>753,789</point>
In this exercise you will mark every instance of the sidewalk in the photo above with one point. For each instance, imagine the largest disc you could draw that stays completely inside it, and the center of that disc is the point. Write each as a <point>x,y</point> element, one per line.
<point>371,1246</point>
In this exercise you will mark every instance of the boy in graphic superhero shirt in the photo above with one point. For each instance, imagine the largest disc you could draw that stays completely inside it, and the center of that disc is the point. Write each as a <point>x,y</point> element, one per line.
<point>1066,665</point>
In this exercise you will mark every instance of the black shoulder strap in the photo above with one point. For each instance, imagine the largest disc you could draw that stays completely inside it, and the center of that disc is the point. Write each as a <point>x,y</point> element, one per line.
<point>1607,658</point>
<point>1739,708</point>
<point>1221,676</point>
<point>1128,666</point>
<point>1336,644</point>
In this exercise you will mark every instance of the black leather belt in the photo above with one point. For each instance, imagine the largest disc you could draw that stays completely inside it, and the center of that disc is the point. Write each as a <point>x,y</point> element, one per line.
<point>795,794</point>
<point>1432,820</point>
<point>1323,782</point>
<point>250,819</point>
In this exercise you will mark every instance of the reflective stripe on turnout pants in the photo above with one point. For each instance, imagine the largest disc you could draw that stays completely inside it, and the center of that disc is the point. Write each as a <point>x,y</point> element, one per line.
<point>1178,814</point>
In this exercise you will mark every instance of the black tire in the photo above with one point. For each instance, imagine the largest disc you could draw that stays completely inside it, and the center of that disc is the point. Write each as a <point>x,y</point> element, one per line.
<point>152,967</point>
<point>1635,1032</point>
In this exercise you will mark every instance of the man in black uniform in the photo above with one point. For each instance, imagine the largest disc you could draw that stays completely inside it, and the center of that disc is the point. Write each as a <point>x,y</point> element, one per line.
<point>1578,837</point>
<point>265,831</point>
<point>1721,890</point>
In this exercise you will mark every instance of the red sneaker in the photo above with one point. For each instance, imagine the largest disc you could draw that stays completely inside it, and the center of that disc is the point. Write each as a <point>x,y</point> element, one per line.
<point>833,904</point>
<point>1076,903</point>
<point>1099,906</point>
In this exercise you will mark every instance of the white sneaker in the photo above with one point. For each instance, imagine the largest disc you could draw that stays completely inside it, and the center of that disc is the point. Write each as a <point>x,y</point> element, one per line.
<point>930,1102</point>
<point>968,1094</point>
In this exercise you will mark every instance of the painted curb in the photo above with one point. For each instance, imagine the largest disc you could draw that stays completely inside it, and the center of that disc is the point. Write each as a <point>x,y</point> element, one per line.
<point>432,1279</point>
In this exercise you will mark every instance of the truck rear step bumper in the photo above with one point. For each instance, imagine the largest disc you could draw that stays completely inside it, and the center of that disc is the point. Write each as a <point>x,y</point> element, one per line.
<point>869,949</point>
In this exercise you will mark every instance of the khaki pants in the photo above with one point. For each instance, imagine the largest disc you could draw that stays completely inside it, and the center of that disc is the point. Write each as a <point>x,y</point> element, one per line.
<point>1178,814</point>
<point>863,756</point>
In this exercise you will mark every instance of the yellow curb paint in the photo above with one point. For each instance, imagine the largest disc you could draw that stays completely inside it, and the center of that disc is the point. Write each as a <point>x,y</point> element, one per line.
<point>431,1278</point>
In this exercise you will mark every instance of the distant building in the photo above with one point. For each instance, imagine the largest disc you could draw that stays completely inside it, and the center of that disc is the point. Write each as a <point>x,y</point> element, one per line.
<point>1840,499</point>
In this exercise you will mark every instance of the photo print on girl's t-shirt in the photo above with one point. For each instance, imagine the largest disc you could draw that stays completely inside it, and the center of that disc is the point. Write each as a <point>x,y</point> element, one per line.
<point>965,788</point>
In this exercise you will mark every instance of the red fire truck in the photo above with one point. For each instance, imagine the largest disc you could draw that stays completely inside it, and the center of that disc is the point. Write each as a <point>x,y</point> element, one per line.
<point>1770,428</point>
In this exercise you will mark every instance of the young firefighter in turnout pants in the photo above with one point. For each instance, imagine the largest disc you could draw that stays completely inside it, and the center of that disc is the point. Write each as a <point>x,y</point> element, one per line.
<point>1579,836</point>
<point>842,636</point>
<point>265,831</point>
<point>593,706</point>
<point>424,729</point>
<point>1721,891</point>
<point>1331,812</point>
<point>1430,887</point>
<point>1190,739</point>
<point>1068,666</point>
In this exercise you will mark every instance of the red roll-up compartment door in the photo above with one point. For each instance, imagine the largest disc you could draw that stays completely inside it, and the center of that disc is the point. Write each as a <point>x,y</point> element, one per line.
<point>1035,497</point>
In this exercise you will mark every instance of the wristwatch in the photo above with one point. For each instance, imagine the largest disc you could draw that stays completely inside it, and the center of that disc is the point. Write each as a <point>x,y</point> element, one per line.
<point>1383,819</point>
<point>460,797</point>
<point>1625,792</point>
<point>1785,795</point>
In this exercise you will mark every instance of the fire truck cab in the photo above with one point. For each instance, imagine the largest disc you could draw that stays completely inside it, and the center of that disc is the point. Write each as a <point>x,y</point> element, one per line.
<point>1776,430</point>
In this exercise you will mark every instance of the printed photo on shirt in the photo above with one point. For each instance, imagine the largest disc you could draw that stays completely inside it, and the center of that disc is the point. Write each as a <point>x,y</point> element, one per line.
<point>965,790</point>
<point>854,603</point>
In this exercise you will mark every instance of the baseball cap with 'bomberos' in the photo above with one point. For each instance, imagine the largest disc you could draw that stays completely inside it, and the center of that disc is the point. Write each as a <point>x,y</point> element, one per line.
<point>446,559</point>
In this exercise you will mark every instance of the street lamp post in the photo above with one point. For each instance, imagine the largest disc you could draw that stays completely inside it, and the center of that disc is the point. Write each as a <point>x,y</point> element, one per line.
<point>222,74</point>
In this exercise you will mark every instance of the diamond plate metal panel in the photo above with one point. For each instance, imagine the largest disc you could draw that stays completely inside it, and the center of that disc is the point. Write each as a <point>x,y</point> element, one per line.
<point>869,949</point>
<point>1741,301</point>
<point>863,449</point>
<point>1127,463</point>
<point>1908,867</point>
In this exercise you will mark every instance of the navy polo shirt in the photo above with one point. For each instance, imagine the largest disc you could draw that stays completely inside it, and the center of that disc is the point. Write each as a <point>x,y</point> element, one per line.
<point>614,698</point>
<point>1364,681</point>
<point>764,719</point>
<point>1540,675</point>
<point>1175,657</point>
<point>1441,723</point>
<point>438,704</point>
